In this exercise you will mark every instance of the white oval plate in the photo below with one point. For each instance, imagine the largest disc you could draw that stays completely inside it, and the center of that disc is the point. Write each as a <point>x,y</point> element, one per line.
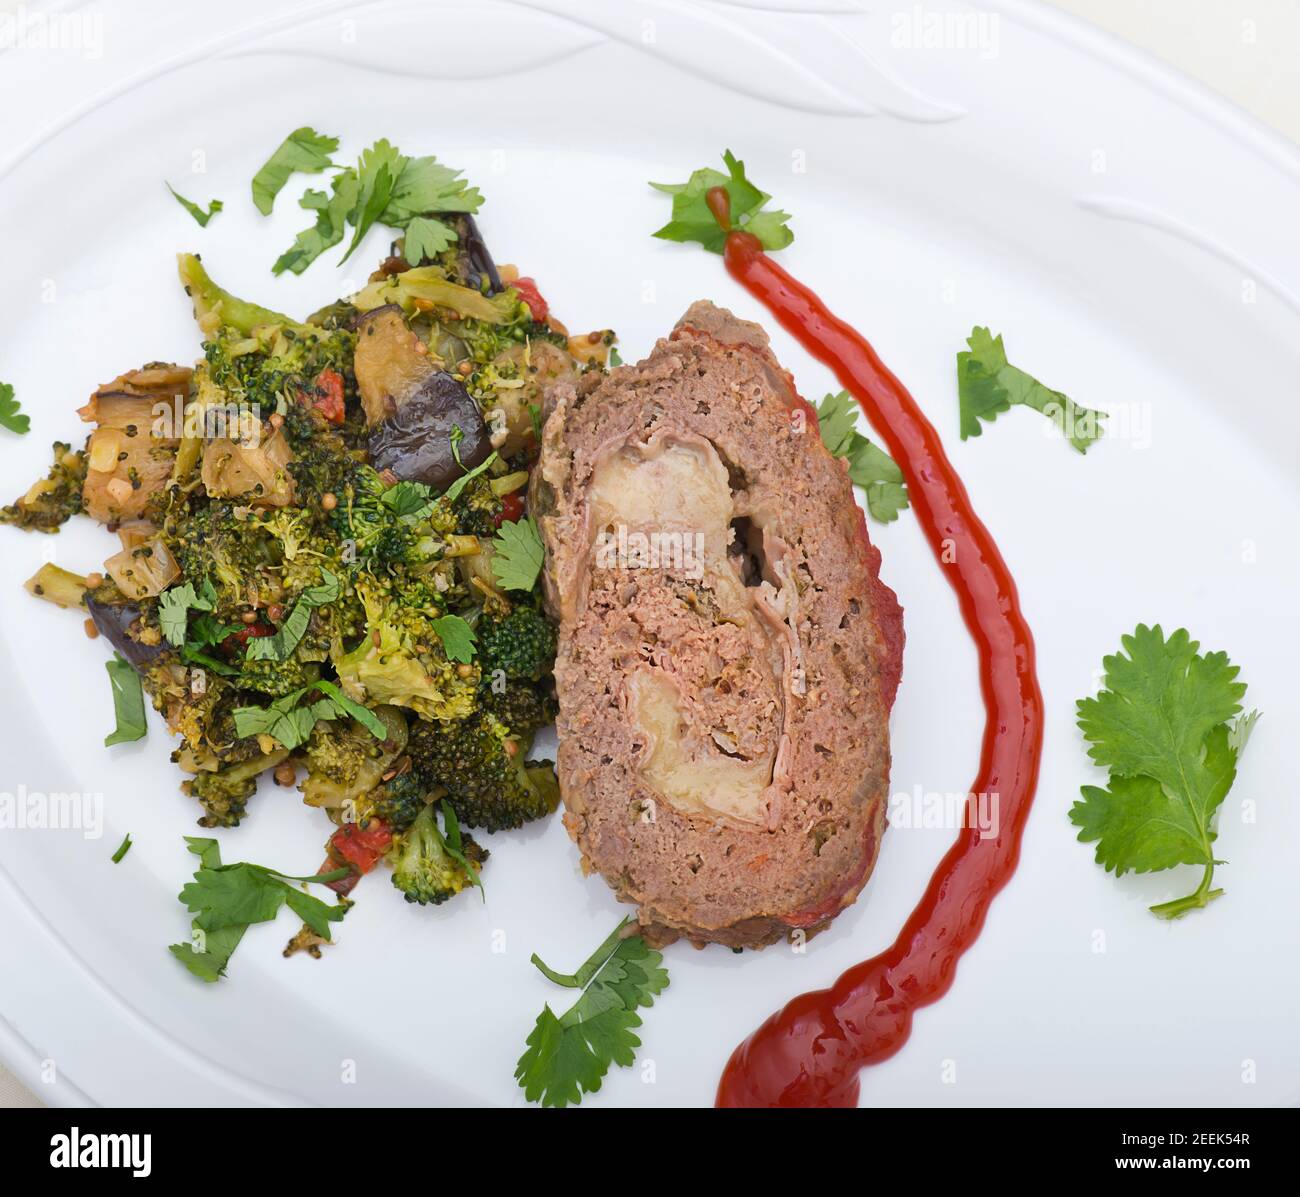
<point>1134,240</point>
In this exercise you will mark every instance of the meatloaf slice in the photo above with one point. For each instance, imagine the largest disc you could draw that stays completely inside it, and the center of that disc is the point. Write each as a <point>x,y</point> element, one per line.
<point>727,652</point>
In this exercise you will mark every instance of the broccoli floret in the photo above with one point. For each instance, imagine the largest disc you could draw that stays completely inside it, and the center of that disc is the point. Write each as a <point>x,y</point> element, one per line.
<point>520,644</point>
<point>391,526</point>
<point>399,800</point>
<point>401,658</point>
<point>425,869</point>
<point>51,502</point>
<point>225,794</point>
<point>477,508</point>
<point>276,678</point>
<point>481,766</point>
<point>345,761</point>
<point>520,706</point>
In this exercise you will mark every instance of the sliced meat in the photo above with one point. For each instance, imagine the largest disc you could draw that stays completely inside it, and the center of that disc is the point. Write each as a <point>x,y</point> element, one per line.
<point>728,654</point>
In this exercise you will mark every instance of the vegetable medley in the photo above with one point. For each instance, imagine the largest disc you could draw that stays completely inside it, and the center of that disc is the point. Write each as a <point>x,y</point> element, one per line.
<point>326,567</point>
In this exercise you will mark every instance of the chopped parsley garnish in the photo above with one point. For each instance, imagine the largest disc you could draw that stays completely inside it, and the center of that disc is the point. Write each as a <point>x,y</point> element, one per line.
<point>194,210</point>
<point>290,721</point>
<point>128,702</point>
<point>988,385</point>
<point>457,637</point>
<point>452,493</point>
<point>568,1055</point>
<point>385,187</point>
<point>228,899</point>
<point>517,554</point>
<point>11,415</point>
<point>1164,726</point>
<point>280,646</point>
<point>694,221</point>
<point>175,605</point>
<point>870,467</point>
<point>303,150</point>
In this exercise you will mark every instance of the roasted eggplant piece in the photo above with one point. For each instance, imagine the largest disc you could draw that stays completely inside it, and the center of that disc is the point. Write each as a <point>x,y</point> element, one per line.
<point>412,406</point>
<point>474,262</point>
<point>115,622</point>
<point>416,443</point>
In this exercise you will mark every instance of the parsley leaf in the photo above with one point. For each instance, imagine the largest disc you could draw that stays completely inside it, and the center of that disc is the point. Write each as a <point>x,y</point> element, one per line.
<point>280,646</point>
<point>362,714</point>
<point>227,899</point>
<point>457,637</point>
<point>988,385</point>
<point>693,221</point>
<point>1162,727</point>
<point>452,493</point>
<point>870,467</point>
<point>426,238</point>
<point>385,187</point>
<point>194,210</point>
<point>303,150</point>
<point>517,554</point>
<point>377,172</point>
<point>569,1055</point>
<point>425,186</point>
<point>175,604</point>
<point>128,702</point>
<point>332,213</point>
<point>11,416</point>
<point>290,723</point>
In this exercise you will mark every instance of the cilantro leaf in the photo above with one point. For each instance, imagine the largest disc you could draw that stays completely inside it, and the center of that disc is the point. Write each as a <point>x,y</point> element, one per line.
<point>568,1055</point>
<point>332,212</point>
<point>425,186</point>
<point>426,238</point>
<point>175,604</point>
<point>457,637</point>
<point>128,702</point>
<point>378,172</point>
<point>452,493</point>
<point>693,220</point>
<point>385,187</point>
<point>988,385</point>
<point>456,845</point>
<point>290,723</point>
<point>11,416</point>
<point>194,210</point>
<point>362,714</point>
<point>280,646</point>
<point>870,467</point>
<point>517,554</point>
<point>1161,727</point>
<point>303,150</point>
<point>227,899</point>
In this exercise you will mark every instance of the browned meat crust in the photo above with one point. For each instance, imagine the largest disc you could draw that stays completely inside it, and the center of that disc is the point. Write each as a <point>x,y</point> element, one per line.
<point>724,747</point>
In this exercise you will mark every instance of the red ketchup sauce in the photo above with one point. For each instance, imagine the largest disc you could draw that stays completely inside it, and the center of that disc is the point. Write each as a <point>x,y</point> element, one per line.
<point>810,1053</point>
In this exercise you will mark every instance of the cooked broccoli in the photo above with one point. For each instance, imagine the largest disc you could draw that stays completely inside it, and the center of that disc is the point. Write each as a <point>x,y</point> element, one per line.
<point>520,644</point>
<point>481,766</point>
<point>520,706</point>
<point>477,508</point>
<point>225,794</point>
<point>401,659</point>
<point>345,760</point>
<point>391,525</point>
<point>398,800</point>
<point>425,869</point>
<point>51,502</point>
